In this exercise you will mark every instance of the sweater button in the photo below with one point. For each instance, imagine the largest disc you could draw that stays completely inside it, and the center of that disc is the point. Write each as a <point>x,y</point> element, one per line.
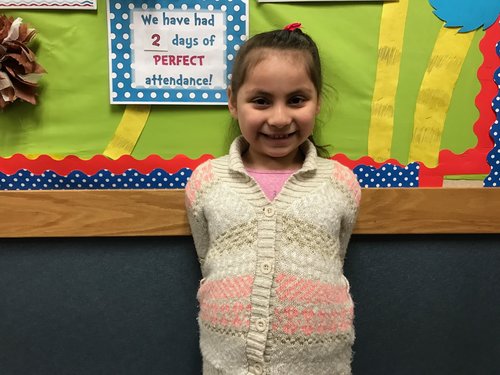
<point>260,325</point>
<point>257,369</point>
<point>266,268</point>
<point>269,211</point>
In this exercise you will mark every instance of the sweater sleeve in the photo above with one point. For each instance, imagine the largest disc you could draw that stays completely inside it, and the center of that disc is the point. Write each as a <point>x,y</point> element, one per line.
<point>196,188</point>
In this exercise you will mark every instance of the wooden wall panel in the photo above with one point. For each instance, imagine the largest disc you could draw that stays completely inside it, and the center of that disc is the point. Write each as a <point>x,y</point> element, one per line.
<point>86,213</point>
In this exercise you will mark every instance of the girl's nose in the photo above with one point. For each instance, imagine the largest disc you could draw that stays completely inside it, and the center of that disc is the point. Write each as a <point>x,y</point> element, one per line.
<point>279,116</point>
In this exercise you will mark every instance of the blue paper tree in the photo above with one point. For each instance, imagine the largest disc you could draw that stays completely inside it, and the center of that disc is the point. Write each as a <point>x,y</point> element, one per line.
<point>467,14</point>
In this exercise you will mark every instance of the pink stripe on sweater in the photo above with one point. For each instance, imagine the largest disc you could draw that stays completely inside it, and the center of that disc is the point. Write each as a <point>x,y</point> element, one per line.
<point>292,288</point>
<point>231,315</point>
<point>226,302</point>
<point>345,176</point>
<point>201,175</point>
<point>292,320</point>
<point>230,287</point>
<point>311,306</point>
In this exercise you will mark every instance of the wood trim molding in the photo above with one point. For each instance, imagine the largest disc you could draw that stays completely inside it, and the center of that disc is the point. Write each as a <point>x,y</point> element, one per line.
<point>84,213</point>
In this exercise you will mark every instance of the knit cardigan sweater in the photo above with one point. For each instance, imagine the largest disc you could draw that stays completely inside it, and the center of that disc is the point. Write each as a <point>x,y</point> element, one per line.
<point>273,298</point>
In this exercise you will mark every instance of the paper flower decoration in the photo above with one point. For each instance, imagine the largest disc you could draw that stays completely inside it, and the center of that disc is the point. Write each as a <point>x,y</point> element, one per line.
<point>19,71</point>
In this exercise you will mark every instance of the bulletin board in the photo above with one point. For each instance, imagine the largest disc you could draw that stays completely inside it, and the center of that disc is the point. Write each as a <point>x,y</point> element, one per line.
<point>410,100</point>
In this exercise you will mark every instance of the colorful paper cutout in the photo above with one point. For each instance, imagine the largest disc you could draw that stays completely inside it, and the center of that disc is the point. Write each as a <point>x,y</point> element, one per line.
<point>493,178</point>
<point>474,160</point>
<point>435,95</point>
<point>467,14</point>
<point>128,131</point>
<point>390,49</point>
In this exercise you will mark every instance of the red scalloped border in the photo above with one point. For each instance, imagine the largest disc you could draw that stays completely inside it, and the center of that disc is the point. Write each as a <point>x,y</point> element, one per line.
<point>99,162</point>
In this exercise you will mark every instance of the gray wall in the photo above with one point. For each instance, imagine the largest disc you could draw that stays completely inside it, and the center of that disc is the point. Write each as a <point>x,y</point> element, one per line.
<point>424,305</point>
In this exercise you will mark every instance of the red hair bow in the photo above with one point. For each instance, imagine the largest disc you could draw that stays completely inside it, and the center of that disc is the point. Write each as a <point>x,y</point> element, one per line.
<point>293,26</point>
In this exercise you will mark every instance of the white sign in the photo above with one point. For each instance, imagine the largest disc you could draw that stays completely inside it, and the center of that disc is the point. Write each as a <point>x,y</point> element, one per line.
<point>174,52</point>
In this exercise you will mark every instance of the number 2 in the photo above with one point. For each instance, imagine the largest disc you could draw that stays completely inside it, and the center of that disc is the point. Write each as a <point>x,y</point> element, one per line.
<point>156,40</point>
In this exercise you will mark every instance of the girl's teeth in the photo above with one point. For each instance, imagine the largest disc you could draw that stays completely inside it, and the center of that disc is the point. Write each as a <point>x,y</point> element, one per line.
<point>278,136</point>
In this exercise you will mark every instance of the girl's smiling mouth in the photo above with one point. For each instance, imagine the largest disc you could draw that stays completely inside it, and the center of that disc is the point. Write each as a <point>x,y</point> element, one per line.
<point>279,135</point>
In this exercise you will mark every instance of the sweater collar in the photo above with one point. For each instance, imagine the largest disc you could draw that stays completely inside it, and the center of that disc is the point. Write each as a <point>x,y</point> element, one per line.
<point>240,145</point>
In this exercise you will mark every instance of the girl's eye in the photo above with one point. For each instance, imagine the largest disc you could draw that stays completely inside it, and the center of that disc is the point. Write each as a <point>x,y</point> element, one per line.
<point>260,102</point>
<point>297,100</point>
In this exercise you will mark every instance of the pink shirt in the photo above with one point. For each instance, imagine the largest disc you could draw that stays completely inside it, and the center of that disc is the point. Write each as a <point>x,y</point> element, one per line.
<point>271,182</point>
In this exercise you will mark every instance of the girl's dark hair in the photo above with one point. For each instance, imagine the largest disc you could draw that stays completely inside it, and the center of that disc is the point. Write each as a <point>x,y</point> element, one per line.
<point>253,51</point>
<point>295,40</point>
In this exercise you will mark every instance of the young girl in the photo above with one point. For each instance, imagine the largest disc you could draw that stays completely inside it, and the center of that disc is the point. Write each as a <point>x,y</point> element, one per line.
<point>271,222</point>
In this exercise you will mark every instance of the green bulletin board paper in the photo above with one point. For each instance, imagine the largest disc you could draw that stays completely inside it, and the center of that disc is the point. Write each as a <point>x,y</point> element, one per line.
<point>74,115</point>
<point>458,132</point>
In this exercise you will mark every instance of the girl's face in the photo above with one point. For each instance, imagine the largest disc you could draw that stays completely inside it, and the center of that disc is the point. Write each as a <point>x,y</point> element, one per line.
<point>276,108</point>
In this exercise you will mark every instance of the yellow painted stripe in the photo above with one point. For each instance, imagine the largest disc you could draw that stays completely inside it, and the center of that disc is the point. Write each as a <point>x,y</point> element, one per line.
<point>390,46</point>
<point>435,94</point>
<point>128,132</point>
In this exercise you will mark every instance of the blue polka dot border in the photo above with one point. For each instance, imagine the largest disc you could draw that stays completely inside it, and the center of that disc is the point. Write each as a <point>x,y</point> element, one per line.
<point>387,176</point>
<point>174,87</point>
<point>104,179</point>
